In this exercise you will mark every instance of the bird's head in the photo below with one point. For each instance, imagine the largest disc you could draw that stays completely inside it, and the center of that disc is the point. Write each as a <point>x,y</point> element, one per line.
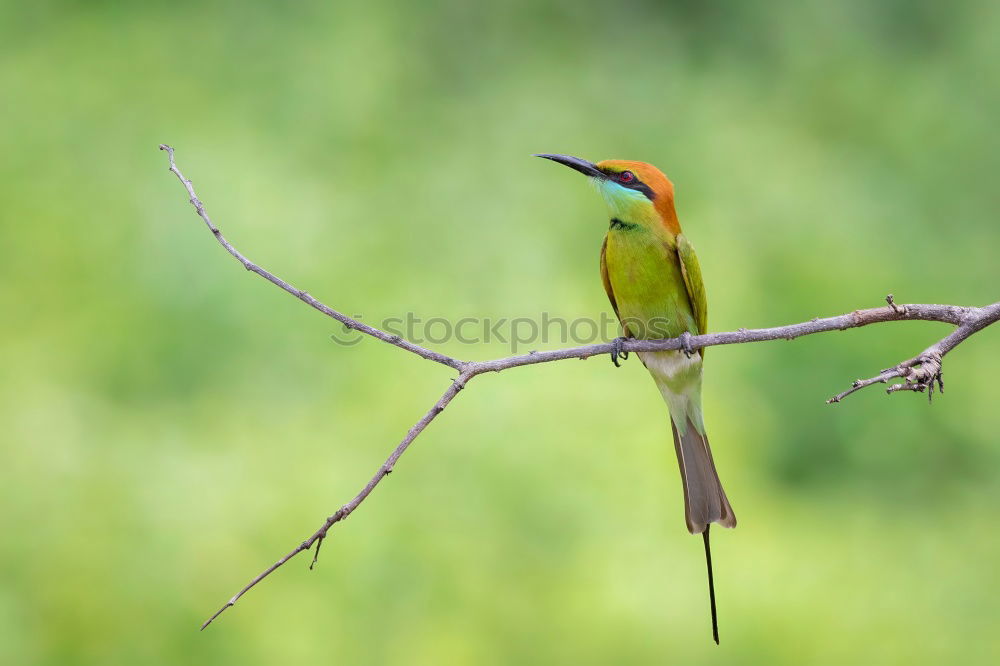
<point>635,192</point>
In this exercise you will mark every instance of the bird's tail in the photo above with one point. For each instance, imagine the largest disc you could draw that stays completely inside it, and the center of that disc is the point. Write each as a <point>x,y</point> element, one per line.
<point>705,501</point>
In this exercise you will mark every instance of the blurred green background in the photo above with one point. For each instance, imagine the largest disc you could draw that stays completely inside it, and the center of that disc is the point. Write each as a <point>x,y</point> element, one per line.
<point>171,424</point>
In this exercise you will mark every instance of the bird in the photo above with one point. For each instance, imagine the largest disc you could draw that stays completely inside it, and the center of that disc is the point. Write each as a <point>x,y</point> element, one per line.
<point>653,280</point>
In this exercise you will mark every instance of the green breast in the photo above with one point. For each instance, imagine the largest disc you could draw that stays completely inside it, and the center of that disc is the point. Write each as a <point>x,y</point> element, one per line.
<point>646,279</point>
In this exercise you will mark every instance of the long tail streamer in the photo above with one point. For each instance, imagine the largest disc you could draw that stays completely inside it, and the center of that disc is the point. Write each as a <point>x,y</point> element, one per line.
<point>711,585</point>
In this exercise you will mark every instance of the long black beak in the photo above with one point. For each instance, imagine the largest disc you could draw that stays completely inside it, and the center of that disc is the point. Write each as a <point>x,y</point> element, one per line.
<point>583,166</point>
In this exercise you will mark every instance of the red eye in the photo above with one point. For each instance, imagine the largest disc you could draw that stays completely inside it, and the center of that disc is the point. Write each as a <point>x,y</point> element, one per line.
<point>626,176</point>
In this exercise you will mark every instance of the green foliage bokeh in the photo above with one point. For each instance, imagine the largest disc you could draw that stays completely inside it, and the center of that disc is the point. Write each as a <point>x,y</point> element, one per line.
<point>171,424</point>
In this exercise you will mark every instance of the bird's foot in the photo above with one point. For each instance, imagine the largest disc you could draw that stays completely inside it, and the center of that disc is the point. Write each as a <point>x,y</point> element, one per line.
<point>617,351</point>
<point>685,339</point>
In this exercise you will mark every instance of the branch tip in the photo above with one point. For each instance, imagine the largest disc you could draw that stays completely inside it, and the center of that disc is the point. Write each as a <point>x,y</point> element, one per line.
<point>890,301</point>
<point>315,558</point>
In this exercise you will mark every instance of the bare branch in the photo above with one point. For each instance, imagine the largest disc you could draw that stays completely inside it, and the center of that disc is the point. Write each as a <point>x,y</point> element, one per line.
<point>918,374</point>
<point>949,314</point>
<point>299,293</point>
<point>343,512</point>
<point>921,372</point>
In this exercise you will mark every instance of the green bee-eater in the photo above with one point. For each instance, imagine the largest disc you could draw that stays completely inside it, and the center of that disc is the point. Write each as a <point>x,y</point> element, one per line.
<point>653,281</point>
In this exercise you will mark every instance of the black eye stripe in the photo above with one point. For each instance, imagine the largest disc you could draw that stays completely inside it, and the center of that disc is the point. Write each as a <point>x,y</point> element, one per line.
<point>634,184</point>
<point>644,188</point>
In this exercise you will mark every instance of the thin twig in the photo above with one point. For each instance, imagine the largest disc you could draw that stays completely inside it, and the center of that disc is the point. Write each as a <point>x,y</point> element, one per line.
<point>919,373</point>
<point>343,512</point>
<point>299,293</point>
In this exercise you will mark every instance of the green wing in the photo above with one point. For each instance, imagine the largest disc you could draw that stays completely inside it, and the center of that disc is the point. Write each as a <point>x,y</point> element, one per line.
<point>692,280</point>
<point>606,279</point>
